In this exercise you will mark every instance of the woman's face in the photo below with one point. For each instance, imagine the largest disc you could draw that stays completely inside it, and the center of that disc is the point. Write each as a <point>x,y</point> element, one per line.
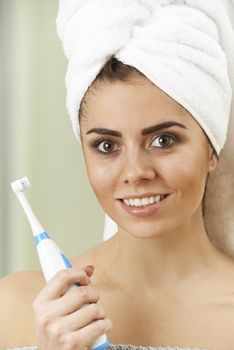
<point>147,158</point>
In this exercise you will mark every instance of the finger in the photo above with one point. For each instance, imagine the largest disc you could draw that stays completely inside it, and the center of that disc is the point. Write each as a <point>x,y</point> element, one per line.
<point>79,319</point>
<point>86,336</point>
<point>83,317</point>
<point>89,334</point>
<point>61,282</point>
<point>89,269</point>
<point>74,299</point>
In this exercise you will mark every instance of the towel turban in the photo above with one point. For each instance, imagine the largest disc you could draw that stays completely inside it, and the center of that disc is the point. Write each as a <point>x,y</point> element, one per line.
<point>186,48</point>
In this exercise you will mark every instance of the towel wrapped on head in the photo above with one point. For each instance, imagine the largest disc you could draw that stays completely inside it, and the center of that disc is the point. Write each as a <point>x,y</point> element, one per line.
<point>186,48</point>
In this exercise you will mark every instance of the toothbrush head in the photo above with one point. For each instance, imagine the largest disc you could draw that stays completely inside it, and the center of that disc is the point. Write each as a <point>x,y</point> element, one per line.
<point>20,185</point>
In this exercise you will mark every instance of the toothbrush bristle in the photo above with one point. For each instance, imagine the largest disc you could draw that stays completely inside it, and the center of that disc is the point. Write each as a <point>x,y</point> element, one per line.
<point>20,185</point>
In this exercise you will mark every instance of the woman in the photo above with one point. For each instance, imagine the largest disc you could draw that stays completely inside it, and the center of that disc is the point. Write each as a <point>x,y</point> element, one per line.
<point>159,281</point>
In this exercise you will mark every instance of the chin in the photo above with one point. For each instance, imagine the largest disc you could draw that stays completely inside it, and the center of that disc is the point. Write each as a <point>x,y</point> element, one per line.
<point>144,230</point>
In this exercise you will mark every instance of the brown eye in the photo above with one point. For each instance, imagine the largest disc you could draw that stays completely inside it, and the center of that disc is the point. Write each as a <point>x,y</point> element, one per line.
<point>106,146</point>
<point>164,141</point>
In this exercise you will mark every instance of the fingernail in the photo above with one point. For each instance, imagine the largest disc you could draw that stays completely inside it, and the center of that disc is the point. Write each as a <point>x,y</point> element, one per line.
<point>89,269</point>
<point>90,266</point>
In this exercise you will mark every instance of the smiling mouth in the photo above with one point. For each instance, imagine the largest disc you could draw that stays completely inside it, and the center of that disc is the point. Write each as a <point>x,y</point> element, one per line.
<point>144,202</point>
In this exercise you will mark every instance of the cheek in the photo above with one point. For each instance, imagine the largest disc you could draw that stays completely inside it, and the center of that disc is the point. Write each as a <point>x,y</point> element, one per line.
<point>186,174</point>
<point>99,176</point>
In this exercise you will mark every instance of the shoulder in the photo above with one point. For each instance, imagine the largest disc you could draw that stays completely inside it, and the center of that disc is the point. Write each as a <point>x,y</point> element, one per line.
<point>93,256</point>
<point>98,256</point>
<point>17,293</point>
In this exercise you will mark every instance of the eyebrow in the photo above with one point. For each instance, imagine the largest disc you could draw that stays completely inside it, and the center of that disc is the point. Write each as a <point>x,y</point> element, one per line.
<point>146,131</point>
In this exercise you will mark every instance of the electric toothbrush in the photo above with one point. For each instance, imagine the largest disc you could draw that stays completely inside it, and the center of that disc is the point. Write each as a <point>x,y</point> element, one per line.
<point>51,258</point>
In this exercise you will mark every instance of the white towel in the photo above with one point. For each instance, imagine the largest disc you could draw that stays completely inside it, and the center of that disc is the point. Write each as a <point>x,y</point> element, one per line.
<point>185,47</point>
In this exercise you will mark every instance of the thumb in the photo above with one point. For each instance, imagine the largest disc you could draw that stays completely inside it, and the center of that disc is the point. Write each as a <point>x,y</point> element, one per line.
<point>89,269</point>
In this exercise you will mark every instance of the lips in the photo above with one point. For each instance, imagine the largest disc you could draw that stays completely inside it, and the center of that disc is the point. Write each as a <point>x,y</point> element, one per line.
<point>144,210</point>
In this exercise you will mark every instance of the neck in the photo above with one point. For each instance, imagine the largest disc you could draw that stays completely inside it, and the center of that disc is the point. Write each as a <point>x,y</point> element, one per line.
<point>172,258</point>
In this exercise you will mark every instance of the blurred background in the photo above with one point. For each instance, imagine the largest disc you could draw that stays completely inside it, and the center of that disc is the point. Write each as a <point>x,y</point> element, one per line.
<point>37,140</point>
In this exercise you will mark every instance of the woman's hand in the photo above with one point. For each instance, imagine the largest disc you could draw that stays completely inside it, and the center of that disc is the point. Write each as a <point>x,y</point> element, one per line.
<point>67,316</point>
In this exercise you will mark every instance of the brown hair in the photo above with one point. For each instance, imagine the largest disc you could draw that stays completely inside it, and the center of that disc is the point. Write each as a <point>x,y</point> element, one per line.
<point>116,70</point>
<point>113,70</point>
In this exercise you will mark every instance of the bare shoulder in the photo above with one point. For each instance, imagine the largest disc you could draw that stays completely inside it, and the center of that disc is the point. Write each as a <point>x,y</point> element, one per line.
<point>17,293</point>
<point>95,255</point>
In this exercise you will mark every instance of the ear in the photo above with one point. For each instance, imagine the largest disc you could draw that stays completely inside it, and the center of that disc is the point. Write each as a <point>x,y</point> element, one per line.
<point>213,159</point>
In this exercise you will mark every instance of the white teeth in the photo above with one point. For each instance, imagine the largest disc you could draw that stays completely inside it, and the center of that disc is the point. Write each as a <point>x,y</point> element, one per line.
<point>137,202</point>
<point>143,201</point>
<point>157,198</point>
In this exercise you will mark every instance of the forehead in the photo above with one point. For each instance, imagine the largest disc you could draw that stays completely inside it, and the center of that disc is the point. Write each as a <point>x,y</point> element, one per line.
<point>137,103</point>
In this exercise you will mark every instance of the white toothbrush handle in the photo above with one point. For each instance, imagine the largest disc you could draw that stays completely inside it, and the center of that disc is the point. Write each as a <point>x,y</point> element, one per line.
<point>53,260</point>
<point>34,223</point>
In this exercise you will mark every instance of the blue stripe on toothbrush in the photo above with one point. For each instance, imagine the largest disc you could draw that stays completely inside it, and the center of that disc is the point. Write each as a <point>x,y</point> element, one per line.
<point>44,235</point>
<point>68,265</point>
<point>103,346</point>
<point>40,237</point>
<point>66,261</point>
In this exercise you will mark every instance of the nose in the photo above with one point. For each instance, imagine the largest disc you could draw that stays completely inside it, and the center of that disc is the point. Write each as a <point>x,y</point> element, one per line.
<point>137,166</point>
